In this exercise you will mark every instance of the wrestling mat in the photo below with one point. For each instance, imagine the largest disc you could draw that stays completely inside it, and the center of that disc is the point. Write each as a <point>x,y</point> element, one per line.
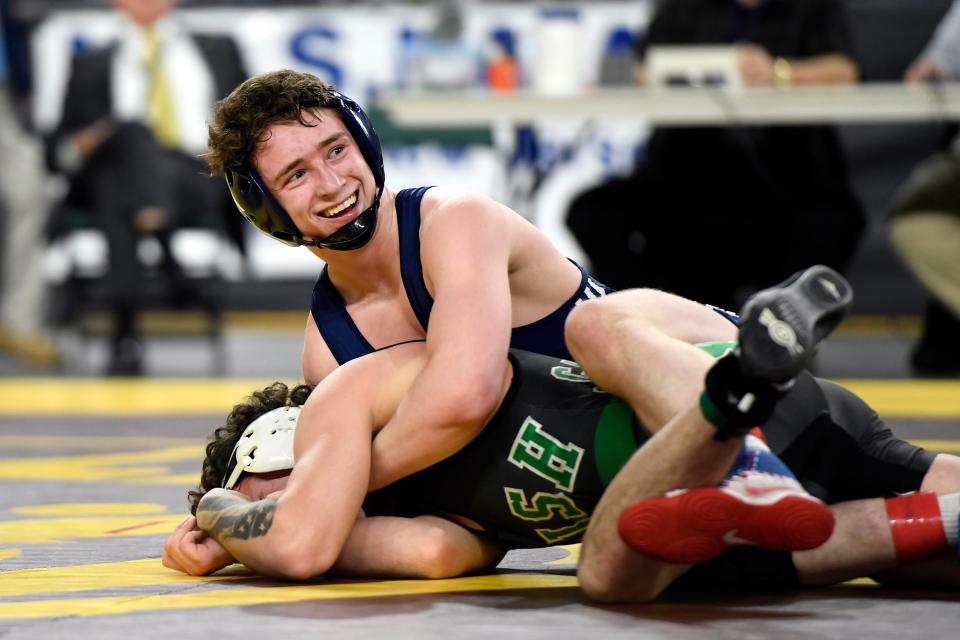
<point>94,475</point>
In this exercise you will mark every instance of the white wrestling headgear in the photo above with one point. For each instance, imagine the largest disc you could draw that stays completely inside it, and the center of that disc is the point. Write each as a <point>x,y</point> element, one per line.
<point>266,445</point>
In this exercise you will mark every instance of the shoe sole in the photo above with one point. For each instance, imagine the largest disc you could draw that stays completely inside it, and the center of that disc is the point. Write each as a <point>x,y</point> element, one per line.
<point>782,326</point>
<point>699,524</point>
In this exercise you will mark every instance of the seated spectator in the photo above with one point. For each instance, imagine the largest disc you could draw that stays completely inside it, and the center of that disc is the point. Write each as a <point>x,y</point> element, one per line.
<point>925,228</point>
<point>132,130</point>
<point>713,213</point>
<point>24,215</point>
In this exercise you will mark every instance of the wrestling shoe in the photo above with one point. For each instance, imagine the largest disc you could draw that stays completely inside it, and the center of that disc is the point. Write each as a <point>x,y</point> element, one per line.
<point>780,327</point>
<point>689,526</point>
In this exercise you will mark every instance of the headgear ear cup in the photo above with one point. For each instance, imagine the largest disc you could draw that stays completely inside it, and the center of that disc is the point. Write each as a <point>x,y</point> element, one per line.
<point>363,134</point>
<point>258,205</point>
<point>265,445</point>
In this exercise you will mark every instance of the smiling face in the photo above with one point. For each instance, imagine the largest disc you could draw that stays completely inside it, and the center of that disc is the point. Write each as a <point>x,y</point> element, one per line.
<point>316,173</point>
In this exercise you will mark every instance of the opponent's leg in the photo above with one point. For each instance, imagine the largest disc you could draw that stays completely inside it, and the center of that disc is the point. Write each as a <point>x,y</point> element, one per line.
<point>636,344</point>
<point>700,444</point>
<point>908,539</point>
<point>759,502</point>
<point>847,454</point>
<point>683,454</point>
<point>875,538</point>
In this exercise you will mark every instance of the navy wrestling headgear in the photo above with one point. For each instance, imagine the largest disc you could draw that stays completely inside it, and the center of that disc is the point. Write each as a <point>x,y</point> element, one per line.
<point>258,205</point>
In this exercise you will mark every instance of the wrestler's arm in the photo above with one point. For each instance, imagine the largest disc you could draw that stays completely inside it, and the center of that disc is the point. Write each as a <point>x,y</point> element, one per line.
<point>466,249</point>
<point>316,361</point>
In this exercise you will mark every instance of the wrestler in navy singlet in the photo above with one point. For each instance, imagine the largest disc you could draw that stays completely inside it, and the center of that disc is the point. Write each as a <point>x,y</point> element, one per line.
<point>345,340</point>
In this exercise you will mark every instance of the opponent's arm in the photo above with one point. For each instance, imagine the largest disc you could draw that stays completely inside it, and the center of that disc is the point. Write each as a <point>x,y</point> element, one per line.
<point>191,550</point>
<point>466,250</point>
<point>300,533</point>
<point>425,547</point>
<point>241,526</point>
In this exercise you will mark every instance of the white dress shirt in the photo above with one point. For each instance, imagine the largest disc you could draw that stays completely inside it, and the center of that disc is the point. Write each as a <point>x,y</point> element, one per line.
<point>189,77</point>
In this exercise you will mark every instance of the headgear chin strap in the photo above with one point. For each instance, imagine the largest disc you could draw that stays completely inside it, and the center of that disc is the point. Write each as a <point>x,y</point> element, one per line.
<point>355,234</point>
<point>258,205</point>
<point>266,445</point>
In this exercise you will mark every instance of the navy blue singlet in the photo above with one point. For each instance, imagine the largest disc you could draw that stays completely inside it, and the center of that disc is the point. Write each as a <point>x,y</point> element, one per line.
<point>345,341</point>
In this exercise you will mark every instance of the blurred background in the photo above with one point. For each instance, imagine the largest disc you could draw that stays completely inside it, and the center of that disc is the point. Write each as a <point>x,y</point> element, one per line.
<point>214,297</point>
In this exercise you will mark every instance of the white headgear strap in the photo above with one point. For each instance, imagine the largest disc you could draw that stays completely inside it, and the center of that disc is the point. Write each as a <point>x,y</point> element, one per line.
<point>266,445</point>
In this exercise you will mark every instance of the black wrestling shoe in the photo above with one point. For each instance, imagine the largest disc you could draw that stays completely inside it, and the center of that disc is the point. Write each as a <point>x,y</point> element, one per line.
<point>780,327</point>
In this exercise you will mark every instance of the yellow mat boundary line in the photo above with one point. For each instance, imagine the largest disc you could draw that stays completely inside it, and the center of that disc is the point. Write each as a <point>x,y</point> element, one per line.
<point>125,397</point>
<point>929,399</point>
<point>276,321</point>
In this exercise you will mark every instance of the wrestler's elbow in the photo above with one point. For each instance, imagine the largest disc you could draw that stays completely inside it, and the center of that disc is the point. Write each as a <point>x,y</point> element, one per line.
<point>470,399</point>
<point>296,556</point>
<point>291,563</point>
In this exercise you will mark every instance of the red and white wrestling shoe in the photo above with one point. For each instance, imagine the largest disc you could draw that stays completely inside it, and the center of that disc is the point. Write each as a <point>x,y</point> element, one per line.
<point>688,526</point>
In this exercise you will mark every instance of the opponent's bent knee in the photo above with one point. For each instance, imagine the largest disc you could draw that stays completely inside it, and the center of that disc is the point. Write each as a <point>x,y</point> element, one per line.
<point>606,582</point>
<point>583,324</point>
<point>593,323</point>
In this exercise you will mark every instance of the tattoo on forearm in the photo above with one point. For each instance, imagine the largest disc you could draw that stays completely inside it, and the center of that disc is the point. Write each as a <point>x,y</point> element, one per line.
<point>241,521</point>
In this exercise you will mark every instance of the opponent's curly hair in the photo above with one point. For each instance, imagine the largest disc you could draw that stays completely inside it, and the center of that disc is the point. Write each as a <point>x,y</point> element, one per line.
<point>224,438</point>
<point>240,119</point>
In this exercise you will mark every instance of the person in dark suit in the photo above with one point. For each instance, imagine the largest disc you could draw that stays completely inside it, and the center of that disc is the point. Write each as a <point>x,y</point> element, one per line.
<point>752,203</point>
<point>131,132</point>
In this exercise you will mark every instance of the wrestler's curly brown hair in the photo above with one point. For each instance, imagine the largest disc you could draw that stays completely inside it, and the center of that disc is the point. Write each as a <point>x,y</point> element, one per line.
<point>241,119</point>
<point>224,438</point>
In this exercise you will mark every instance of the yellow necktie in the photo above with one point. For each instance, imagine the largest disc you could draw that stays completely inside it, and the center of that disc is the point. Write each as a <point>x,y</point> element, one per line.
<point>160,111</point>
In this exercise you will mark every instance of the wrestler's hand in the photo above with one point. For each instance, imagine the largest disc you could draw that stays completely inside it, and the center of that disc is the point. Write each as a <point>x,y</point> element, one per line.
<point>191,550</point>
